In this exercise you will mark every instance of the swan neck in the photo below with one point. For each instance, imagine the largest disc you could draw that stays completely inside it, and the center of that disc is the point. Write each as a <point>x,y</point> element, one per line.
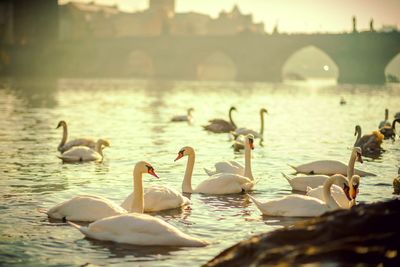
<point>187,179</point>
<point>386,114</point>
<point>329,200</point>
<point>137,200</point>
<point>98,148</point>
<point>358,136</point>
<point>230,118</point>
<point>247,162</point>
<point>350,166</point>
<point>262,123</point>
<point>65,135</point>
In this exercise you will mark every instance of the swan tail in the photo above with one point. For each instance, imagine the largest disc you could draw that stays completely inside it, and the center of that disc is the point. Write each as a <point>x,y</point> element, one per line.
<point>293,167</point>
<point>308,189</point>
<point>255,201</point>
<point>41,210</point>
<point>286,177</point>
<point>82,229</point>
<point>209,173</point>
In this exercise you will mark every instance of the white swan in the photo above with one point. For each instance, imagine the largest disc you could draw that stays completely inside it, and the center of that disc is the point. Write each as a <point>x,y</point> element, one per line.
<point>92,208</point>
<point>327,167</point>
<point>83,153</point>
<point>157,198</point>
<point>300,183</point>
<point>299,205</point>
<point>218,184</point>
<point>385,122</point>
<point>235,167</point>
<point>338,193</point>
<point>137,228</point>
<point>188,117</point>
<point>64,145</point>
<point>246,131</point>
<point>221,125</point>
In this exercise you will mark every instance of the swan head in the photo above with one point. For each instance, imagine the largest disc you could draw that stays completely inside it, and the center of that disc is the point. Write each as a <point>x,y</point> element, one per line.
<point>103,143</point>
<point>355,183</point>
<point>250,141</point>
<point>357,129</point>
<point>190,110</point>
<point>232,109</point>
<point>184,151</point>
<point>145,167</point>
<point>263,110</point>
<point>61,123</point>
<point>358,153</point>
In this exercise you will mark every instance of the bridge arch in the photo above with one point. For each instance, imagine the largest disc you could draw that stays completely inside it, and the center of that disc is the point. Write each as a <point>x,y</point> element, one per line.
<point>139,63</point>
<point>392,69</point>
<point>310,63</point>
<point>216,65</point>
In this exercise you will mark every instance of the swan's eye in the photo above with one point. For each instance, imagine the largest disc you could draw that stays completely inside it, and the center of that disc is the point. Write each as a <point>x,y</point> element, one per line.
<point>181,152</point>
<point>251,141</point>
<point>149,168</point>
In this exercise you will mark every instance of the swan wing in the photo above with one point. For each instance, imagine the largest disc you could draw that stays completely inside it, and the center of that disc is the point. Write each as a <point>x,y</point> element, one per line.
<point>292,206</point>
<point>85,208</point>
<point>224,183</point>
<point>138,229</point>
<point>80,153</point>
<point>336,191</point>
<point>229,167</point>
<point>88,142</point>
<point>326,167</point>
<point>180,118</point>
<point>300,183</point>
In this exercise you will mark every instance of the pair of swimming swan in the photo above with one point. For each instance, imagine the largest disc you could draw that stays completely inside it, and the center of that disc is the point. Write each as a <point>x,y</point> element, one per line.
<point>136,228</point>
<point>188,117</point>
<point>156,198</point>
<point>81,149</point>
<point>302,206</point>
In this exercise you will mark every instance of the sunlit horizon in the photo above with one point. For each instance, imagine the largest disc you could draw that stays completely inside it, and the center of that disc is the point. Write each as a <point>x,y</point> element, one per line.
<point>301,16</point>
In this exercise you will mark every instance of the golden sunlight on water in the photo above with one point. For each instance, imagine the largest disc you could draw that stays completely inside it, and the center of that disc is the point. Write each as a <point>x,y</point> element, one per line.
<point>304,123</point>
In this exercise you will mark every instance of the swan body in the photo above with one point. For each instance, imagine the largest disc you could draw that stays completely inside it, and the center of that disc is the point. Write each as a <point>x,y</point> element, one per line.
<point>369,143</point>
<point>220,183</point>
<point>385,122</point>
<point>337,192</point>
<point>397,115</point>
<point>137,228</point>
<point>327,167</point>
<point>389,131</point>
<point>221,125</point>
<point>235,167</point>
<point>301,183</point>
<point>246,131</point>
<point>85,209</point>
<point>157,198</point>
<point>300,206</point>
<point>64,145</point>
<point>188,117</point>
<point>83,153</point>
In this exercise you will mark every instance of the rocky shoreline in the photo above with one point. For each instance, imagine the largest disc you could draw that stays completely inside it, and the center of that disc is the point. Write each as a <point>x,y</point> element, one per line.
<point>368,234</point>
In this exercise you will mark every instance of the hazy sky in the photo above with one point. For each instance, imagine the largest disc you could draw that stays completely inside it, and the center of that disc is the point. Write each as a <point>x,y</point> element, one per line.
<point>291,15</point>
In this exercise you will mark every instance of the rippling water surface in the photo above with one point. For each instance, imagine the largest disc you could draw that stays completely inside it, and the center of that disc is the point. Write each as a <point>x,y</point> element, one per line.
<point>304,123</point>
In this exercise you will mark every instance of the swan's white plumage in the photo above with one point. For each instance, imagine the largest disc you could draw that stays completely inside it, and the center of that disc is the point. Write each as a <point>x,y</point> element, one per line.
<point>157,198</point>
<point>80,153</point>
<point>224,183</point>
<point>85,209</point>
<point>327,167</point>
<point>336,191</point>
<point>138,229</point>
<point>292,206</point>
<point>87,142</point>
<point>227,167</point>
<point>300,183</point>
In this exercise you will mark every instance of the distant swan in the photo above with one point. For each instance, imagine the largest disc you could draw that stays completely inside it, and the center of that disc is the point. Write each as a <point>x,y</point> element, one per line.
<point>221,125</point>
<point>137,228</point>
<point>83,153</point>
<point>64,145</point>
<point>301,206</point>
<point>218,184</point>
<point>188,117</point>
<point>389,131</point>
<point>92,208</point>
<point>385,122</point>
<point>235,167</point>
<point>245,131</point>
<point>369,143</point>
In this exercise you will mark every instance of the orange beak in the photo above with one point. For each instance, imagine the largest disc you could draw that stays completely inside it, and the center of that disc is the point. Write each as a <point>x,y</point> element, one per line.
<point>151,172</point>
<point>252,146</point>
<point>353,192</point>
<point>180,155</point>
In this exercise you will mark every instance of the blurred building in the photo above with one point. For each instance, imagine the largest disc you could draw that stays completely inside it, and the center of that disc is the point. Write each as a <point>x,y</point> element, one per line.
<point>89,20</point>
<point>26,21</point>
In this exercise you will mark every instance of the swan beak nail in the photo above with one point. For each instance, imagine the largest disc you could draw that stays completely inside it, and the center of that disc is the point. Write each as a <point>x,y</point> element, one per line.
<point>151,172</point>
<point>359,158</point>
<point>179,156</point>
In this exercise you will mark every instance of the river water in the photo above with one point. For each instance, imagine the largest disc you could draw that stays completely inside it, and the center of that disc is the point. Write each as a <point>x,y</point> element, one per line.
<point>305,122</point>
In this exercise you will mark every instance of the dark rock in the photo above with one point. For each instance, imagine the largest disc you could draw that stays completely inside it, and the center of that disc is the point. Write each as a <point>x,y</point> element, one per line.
<point>368,234</point>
